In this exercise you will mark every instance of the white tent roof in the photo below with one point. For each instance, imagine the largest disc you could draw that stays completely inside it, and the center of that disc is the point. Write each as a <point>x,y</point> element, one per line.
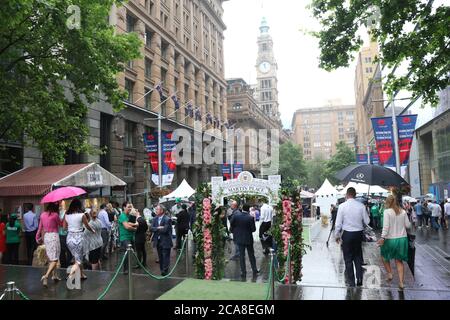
<point>363,188</point>
<point>184,191</point>
<point>326,189</point>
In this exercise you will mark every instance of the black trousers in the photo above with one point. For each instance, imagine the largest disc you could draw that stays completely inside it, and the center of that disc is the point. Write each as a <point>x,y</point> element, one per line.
<point>12,252</point>
<point>352,249</point>
<point>105,238</point>
<point>164,258</point>
<point>141,253</point>
<point>264,227</point>
<point>123,247</point>
<point>181,234</point>
<point>65,256</point>
<point>251,257</point>
<point>30,240</point>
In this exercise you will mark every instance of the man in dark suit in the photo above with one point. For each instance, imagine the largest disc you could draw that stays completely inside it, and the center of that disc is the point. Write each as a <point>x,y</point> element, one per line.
<point>242,227</point>
<point>162,238</point>
<point>182,226</point>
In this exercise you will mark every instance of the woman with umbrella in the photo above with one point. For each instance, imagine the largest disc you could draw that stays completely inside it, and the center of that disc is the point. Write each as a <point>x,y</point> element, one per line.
<point>74,220</point>
<point>394,239</point>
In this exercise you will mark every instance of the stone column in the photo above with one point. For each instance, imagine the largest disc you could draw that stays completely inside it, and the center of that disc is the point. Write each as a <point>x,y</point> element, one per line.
<point>201,94</point>
<point>139,67</point>
<point>182,96</point>
<point>170,85</point>
<point>191,93</point>
<point>209,89</point>
<point>156,69</point>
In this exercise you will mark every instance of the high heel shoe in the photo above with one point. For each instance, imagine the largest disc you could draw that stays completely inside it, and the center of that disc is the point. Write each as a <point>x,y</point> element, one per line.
<point>401,286</point>
<point>56,278</point>
<point>44,281</point>
<point>390,277</point>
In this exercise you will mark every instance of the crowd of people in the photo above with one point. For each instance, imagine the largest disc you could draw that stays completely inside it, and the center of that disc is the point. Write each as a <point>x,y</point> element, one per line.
<point>394,218</point>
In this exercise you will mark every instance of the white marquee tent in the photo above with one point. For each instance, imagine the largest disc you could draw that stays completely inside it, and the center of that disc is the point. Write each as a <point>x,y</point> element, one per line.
<point>325,197</point>
<point>362,189</point>
<point>184,191</point>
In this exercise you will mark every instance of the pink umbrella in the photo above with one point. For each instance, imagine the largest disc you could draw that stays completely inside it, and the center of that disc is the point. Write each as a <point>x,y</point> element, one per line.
<point>62,193</point>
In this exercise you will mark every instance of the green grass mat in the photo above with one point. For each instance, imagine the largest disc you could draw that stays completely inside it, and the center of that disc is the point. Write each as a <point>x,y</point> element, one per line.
<point>195,289</point>
<point>305,234</point>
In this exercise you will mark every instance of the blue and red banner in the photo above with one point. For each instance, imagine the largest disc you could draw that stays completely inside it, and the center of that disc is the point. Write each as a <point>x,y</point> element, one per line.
<point>362,158</point>
<point>406,126</point>
<point>168,164</point>
<point>226,170</point>
<point>374,159</point>
<point>384,137</point>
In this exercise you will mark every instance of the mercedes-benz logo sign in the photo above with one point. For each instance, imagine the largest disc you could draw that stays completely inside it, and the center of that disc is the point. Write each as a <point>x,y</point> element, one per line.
<point>360,176</point>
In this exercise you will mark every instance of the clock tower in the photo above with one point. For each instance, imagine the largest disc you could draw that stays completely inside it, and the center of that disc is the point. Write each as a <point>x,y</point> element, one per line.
<point>266,71</point>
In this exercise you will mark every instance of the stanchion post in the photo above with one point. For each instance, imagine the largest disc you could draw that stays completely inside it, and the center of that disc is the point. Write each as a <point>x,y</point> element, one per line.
<point>10,290</point>
<point>130,274</point>
<point>187,254</point>
<point>272,263</point>
<point>290,268</point>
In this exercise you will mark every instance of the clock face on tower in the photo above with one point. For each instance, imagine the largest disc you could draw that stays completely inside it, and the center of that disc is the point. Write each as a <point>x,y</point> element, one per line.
<point>264,67</point>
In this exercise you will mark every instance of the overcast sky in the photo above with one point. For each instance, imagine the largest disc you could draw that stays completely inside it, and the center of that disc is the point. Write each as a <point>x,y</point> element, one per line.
<point>301,83</point>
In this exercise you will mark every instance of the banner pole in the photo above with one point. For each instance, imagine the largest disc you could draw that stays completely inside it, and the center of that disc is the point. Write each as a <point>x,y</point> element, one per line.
<point>159,152</point>
<point>395,130</point>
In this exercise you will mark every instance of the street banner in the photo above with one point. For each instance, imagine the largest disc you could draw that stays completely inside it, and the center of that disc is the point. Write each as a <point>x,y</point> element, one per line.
<point>406,126</point>
<point>374,159</point>
<point>226,171</point>
<point>151,147</point>
<point>361,158</point>
<point>384,137</point>
<point>169,164</point>
<point>237,169</point>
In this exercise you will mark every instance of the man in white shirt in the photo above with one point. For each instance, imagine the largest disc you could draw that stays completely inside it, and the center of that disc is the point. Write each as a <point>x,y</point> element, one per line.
<point>350,221</point>
<point>447,211</point>
<point>266,224</point>
<point>436,213</point>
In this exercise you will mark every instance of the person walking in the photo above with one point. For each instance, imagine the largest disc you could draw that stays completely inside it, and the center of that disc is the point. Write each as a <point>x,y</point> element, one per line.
<point>13,232</point>
<point>350,221</point>
<point>112,217</point>
<point>182,226</point>
<point>74,220</point>
<point>419,214</point>
<point>426,209</point>
<point>48,233</point>
<point>375,213</point>
<point>93,239</point>
<point>192,216</point>
<point>65,257</point>
<point>127,230</point>
<point>447,212</point>
<point>106,229</point>
<point>242,227</point>
<point>394,239</point>
<point>442,217</point>
<point>234,210</point>
<point>140,238</point>
<point>2,237</point>
<point>30,226</point>
<point>266,223</point>
<point>162,238</point>
<point>435,215</point>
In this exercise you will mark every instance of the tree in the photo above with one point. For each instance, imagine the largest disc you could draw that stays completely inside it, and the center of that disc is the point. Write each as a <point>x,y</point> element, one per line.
<point>424,49</point>
<point>316,169</point>
<point>53,63</point>
<point>343,158</point>
<point>292,164</point>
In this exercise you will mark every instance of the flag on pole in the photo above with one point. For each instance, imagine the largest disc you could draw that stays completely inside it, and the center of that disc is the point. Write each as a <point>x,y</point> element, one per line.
<point>198,114</point>
<point>176,101</point>
<point>188,109</point>
<point>161,93</point>
<point>209,118</point>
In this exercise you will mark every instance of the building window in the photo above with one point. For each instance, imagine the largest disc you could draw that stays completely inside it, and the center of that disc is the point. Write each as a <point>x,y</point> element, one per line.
<point>237,106</point>
<point>131,22</point>
<point>152,8</point>
<point>128,169</point>
<point>341,137</point>
<point>368,59</point>
<point>148,68</point>
<point>340,124</point>
<point>341,130</point>
<point>130,64</point>
<point>129,139</point>
<point>148,97</point>
<point>264,47</point>
<point>129,87</point>
<point>369,70</point>
<point>148,38</point>
<point>163,76</point>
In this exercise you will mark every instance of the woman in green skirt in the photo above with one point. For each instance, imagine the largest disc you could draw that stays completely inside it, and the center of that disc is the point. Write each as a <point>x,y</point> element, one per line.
<point>394,240</point>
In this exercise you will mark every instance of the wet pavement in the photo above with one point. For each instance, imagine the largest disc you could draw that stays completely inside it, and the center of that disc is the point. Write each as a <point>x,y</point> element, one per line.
<point>323,274</point>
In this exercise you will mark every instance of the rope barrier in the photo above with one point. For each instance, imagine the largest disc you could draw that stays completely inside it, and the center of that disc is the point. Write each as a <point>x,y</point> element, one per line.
<point>269,282</point>
<point>22,295</point>
<point>108,287</point>
<point>173,269</point>
<point>2,296</point>
<point>288,261</point>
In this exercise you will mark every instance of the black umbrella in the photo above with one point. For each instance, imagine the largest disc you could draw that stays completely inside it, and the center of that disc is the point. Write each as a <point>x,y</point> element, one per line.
<point>371,174</point>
